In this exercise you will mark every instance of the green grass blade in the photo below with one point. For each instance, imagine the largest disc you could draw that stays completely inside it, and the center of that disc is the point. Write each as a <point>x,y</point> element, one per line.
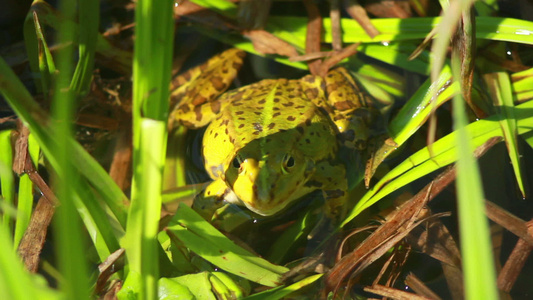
<point>15,282</point>
<point>89,15</point>
<point>31,113</point>
<point>422,162</point>
<point>203,239</point>
<point>280,292</point>
<point>151,79</point>
<point>397,54</point>
<point>67,224</point>
<point>118,59</point>
<point>476,247</point>
<point>24,208</point>
<point>39,55</point>
<point>502,95</point>
<point>25,195</point>
<point>417,110</point>
<point>7,180</point>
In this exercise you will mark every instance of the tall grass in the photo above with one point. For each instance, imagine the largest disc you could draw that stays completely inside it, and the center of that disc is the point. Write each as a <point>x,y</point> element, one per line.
<point>94,213</point>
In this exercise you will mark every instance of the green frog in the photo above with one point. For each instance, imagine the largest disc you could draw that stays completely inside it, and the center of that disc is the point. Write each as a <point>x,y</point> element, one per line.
<point>270,143</point>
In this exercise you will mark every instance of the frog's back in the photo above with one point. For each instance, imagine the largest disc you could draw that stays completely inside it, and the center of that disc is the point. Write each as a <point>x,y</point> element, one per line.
<point>271,109</point>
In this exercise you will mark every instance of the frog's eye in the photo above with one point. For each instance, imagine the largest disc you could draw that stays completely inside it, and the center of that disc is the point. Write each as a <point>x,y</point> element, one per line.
<point>237,162</point>
<point>288,163</point>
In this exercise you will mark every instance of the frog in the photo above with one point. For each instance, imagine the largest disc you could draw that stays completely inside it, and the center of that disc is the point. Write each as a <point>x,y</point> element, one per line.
<point>268,144</point>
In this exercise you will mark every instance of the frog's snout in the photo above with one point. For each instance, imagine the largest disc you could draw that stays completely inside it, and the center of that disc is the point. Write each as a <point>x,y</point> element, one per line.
<point>253,188</point>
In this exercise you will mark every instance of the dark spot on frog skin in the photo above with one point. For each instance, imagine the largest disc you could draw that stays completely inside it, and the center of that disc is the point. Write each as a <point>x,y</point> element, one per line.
<point>238,113</point>
<point>308,122</point>
<point>278,93</point>
<point>215,107</point>
<point>218,83</point>
<point>276,100</point>
<point>300,129</point>
<point>276,114</point>
<point>299,106</point>
<point>198,112</point>
<point>270,126</point>
<point>311,93</point>
<point>276,108</point>
<point>314,183</point>
<point>291,118</point>
<point>184,108</point>
<point>241,126</point>
<point>261,101</point>
<point>344,105</point>
<point>258,113</point>
<point>334,194</point>
<point>288,104</point>
<point>308,141</point>
<point>216,134</point>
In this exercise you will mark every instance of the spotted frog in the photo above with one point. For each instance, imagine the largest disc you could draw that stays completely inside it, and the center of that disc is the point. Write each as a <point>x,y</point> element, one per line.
<point>270,143</point>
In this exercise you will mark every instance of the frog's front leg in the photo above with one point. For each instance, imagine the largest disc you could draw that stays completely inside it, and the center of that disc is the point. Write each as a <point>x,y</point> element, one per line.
<point>216,205</point>
<point>210,199</point>
<point>334,188</point>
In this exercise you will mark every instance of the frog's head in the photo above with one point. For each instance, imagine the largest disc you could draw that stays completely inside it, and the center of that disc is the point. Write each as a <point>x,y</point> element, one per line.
<point>267,177</point>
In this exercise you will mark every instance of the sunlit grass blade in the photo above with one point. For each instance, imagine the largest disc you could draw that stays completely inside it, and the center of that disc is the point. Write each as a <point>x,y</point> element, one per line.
<point>152,64</point>
<point>7,180</point>
<point>203,239</point>
<point>15,281</point>
<point>523,85</point>
<point>476,248</point>
<point>397,54</point>
<point>501,91</point>
<point>89,15</point>
<point>67,224</point>
<point>417,110</point>
<point>444,152</point>
<point>280,292</point>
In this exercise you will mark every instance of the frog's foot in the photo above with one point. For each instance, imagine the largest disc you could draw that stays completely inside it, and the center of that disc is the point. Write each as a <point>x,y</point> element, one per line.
<point>195,92</point>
